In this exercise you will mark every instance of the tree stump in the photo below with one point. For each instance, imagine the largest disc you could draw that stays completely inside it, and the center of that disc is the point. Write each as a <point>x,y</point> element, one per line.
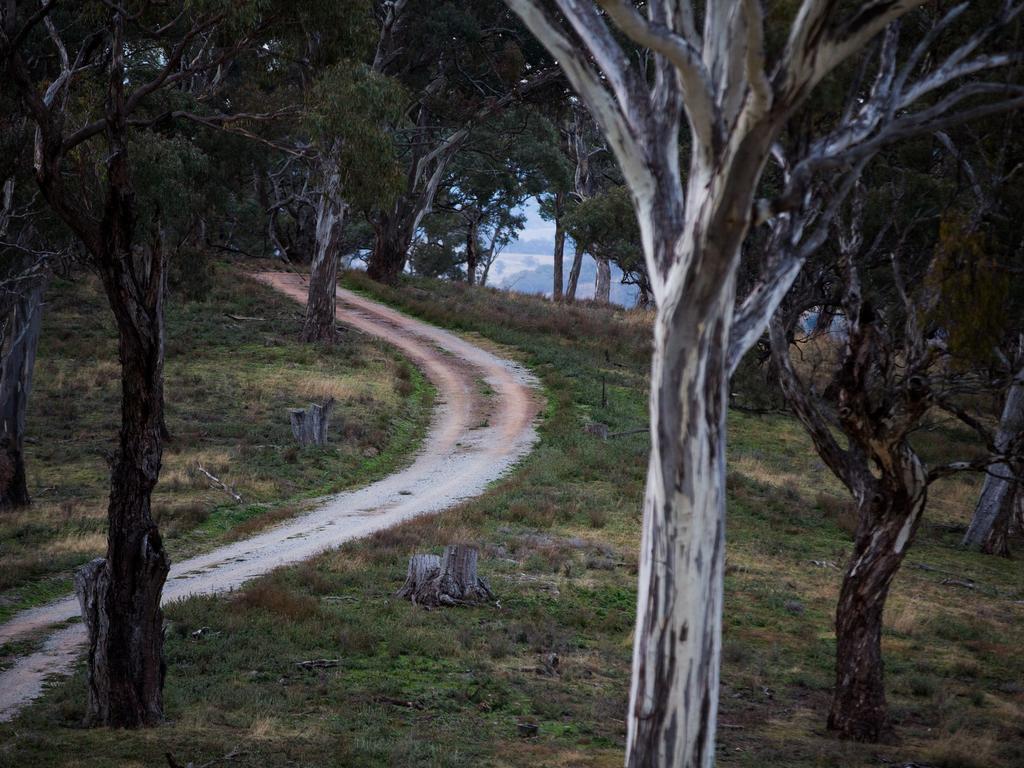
<point>447,580</point>
<point>309,425</point>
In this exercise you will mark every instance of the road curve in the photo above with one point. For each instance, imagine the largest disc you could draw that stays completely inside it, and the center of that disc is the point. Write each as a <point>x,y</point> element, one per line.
<point>473,439</point>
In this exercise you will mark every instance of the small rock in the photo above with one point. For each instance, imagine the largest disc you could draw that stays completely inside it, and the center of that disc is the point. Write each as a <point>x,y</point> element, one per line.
<point>795,607</point>
<point>369,453</point>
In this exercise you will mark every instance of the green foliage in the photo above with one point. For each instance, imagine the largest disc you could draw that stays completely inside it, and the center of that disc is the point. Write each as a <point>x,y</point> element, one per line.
<point>350,110</point>
<point>972,292</point>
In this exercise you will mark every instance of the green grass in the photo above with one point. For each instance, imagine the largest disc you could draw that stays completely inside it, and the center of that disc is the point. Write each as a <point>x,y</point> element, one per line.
<point>229,383</point>
<point>558,541</point>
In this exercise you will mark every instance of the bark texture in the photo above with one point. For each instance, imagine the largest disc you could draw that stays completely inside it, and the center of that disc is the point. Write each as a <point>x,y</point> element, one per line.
<point>321,304</point>
<point>451,579</point>
<point>310,425</point>
<point>994,511</point>
<point>18,341</point>
<point>558,282</point>
<point>603,283</point>
<point>392,239</point>
<point>574,274</point>
<point>887,525</point>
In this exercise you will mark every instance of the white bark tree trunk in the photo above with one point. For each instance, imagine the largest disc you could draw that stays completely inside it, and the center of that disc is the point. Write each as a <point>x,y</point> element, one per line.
<point>321,304</point>
<point>998,485</point>
<point>603,283</point>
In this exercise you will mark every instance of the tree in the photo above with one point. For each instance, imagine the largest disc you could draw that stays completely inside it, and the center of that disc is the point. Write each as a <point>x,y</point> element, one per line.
<point>507,160</point>
<point>94,101</point>
<point>462,64</point>
<point>1001,497</point>
<point>355,167</point>
<point>21,300</point>
<point>692,227</point>
<point>897,362</point>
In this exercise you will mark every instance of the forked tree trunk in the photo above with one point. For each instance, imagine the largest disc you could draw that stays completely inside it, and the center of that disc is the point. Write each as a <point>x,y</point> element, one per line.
<point>559,255</point>
<point>321,303</point>
<point>889,519</point>
<point>603,283</point>
<point>17,360</point>
<point>574,273</point>
<point>996,498</point>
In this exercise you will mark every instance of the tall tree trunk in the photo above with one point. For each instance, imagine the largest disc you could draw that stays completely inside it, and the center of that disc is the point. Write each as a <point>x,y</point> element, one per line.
<point>603,282</point>
<point>18,342</point>
<point>390,250</point>
<point>889,519</point>
<point>559,255</point>
<point>321,304</point>
<point>472,253</point>
<point>121,597</point>
<point>677,648</point>
<point>997,492</point>
<point>574,273</point>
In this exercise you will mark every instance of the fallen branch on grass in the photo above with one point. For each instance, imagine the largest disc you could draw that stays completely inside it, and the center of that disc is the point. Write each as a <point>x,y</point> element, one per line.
<point>216,482</point>
<point>318,663</point>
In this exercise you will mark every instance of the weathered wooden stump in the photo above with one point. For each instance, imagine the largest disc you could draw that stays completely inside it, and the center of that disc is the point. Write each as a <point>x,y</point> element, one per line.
<point>309,425</point>
<point>447,580</point>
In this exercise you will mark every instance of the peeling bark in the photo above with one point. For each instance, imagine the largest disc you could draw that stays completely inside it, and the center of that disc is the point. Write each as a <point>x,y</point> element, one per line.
<point>603,282</point>
<point>888,523</point>
<point>992,515</point>
<point>321,304</point>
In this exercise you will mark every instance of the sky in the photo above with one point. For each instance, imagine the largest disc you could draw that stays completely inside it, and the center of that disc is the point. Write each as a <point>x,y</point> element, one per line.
<point>527,264</point>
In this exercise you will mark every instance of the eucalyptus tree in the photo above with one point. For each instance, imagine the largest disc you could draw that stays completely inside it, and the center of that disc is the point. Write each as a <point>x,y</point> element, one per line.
<point>24,271</point>
<point>103,85</point>
<point>507,160</point>
<point>899,359</point>
<point>461,64</point>
<point>350,106</point>
<point>710,65</point>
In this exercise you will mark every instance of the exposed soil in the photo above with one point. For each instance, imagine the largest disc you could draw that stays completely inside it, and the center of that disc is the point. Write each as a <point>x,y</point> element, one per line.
<point>477,433</point>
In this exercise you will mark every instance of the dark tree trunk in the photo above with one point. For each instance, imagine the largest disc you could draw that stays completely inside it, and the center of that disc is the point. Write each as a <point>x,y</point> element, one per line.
<point>18,343</point>
<point>321,304</point>
<point>390,250</point>
<point>559,255</point>
<point>889,518</point>
<point>574,273</point>
<point>126,667</point>
<point>122,598</point>
<point>472,253</point>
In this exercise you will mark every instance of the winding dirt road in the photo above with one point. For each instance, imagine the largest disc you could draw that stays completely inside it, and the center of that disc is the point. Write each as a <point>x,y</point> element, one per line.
<point>473,439</point>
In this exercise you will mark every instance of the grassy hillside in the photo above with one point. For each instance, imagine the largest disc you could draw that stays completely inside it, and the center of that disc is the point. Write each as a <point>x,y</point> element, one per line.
<point>394,685</point>
<point>234,366</point>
